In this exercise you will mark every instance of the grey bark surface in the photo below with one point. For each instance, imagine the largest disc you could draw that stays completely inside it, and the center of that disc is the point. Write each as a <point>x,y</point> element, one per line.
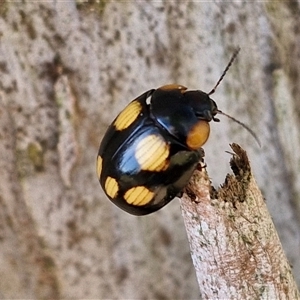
<point>66,70</point>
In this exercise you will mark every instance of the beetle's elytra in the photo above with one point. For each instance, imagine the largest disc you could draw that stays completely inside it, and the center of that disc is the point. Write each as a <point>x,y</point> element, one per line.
<point>151,149</point>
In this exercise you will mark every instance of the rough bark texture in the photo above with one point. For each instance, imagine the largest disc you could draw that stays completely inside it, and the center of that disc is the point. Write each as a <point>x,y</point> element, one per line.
<point>66,70</point>
<point>234,244</point>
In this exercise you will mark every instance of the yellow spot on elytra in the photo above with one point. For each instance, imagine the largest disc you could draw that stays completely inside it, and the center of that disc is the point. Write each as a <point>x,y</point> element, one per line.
<point>173,86</point>
<point>152,153</point>
<point>111,187</point>
<point>99,166</point>
<point>198,135</point>
<point>128,115</point>
<point>138,195</point>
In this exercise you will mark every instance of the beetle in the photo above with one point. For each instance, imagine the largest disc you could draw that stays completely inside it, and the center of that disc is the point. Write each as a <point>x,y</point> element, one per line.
<point>151,149</point>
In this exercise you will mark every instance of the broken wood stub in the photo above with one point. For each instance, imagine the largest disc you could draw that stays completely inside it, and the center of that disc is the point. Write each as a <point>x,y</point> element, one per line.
<point>234,245</point>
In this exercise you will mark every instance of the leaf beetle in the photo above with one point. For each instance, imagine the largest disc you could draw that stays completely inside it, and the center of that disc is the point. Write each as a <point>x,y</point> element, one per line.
<point>151,149</point>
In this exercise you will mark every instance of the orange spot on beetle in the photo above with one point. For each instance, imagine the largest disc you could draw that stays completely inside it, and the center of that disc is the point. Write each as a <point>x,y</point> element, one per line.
<point>173,86</point>
<point>198,135</point>
<point>128,115</point>
<point>139,195</point>
<point>99,166</point>
<point>152,153</point>
<point>111,187</point>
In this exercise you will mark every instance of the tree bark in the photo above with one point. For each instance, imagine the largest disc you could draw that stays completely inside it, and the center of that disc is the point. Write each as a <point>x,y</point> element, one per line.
<point>234,244</point>
<point>67,68</point>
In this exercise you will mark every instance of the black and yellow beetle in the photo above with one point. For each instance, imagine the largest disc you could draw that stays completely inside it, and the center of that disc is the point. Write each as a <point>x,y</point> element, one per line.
<point>151,149</point>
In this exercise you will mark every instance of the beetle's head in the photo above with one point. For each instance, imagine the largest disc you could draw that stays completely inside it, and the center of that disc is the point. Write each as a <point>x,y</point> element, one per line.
<point>206,109</point>
<point>203,106</point>
<point>213,110</point>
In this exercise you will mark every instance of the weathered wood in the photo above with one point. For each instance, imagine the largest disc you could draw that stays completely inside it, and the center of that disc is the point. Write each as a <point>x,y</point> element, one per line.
<point>234,244</point>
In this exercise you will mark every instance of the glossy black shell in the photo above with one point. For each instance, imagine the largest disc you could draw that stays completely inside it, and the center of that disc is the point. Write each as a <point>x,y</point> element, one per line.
<point>168,115</point>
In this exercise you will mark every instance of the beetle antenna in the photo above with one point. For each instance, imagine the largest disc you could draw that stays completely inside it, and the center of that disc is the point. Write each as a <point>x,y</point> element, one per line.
<point>236,52</point>
<point>242,124</point>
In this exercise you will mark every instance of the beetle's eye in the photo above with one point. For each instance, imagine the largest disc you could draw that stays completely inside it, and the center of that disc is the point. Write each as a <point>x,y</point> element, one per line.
<point>205,115</point>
